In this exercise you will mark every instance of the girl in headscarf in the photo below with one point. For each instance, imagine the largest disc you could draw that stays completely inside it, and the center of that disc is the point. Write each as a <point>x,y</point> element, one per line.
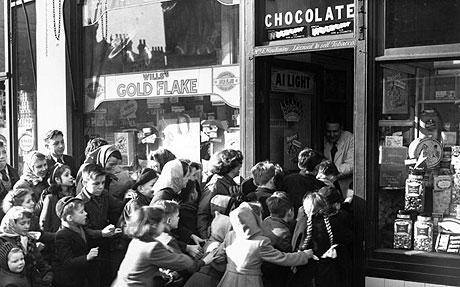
<point>34,175</point>
<point>246,248</point>
<point>172,180</point>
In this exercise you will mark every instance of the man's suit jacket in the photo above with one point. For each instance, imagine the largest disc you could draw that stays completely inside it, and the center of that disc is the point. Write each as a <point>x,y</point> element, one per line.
<point>68,160</point>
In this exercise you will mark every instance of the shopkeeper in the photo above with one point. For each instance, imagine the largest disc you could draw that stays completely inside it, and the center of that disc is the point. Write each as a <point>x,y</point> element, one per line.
<point>339,147</point>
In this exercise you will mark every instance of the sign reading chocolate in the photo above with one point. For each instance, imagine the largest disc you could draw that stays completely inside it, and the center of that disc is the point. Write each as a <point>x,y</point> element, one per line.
<point>290,19</point>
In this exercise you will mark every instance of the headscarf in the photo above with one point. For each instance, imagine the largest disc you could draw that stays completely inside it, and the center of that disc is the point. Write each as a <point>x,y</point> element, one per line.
<point>104,154</point>
<point>5,249</point>
<point>28,173</point>
<point>245,222</point>
<point>171,177</point>
<point>8,221</point>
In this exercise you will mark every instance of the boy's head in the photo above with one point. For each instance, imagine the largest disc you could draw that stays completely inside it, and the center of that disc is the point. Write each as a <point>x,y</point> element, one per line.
<point>93,179</point>
<point>16,221</point>
<point>171,210</point>
<point>145,182</point>
<point>309,159</point>
<point>327,170</point>
<point>279,206</point>
<point>11,258</point>
<point>333,198</point>
<point>71,210</point>
<point>264,174</point>
<point>54,142</point>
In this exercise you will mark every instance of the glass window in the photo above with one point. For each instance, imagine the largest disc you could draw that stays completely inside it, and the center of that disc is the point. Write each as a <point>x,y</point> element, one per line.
<point>418,155</point>
<point>24,79</point>
<point>162,74</point>
<point>421,22</point>
<point>2,35</point>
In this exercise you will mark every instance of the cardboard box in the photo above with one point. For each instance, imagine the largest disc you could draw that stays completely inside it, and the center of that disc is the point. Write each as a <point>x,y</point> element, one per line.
<point>392,155</point>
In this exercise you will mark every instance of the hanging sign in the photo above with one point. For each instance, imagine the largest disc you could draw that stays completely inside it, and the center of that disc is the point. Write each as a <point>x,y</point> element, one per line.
<point>292,81</point>
<point>221,81</point>
<point>290,19</point>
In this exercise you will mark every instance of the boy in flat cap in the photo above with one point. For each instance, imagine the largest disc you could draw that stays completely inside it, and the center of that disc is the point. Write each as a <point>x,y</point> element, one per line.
<point>73,257</point>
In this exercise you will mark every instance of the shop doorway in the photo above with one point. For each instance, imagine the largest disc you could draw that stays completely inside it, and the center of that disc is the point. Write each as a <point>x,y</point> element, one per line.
<point>294,95</point>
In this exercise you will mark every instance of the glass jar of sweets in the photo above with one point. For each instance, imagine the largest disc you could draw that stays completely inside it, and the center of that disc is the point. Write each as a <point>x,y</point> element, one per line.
<point>402,231</point>
<point>423,234</point>
<point>415,191</point>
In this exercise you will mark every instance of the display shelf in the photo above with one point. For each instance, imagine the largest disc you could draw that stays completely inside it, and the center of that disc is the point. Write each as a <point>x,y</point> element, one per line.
<point>456,101</point>
<point>396,123</point>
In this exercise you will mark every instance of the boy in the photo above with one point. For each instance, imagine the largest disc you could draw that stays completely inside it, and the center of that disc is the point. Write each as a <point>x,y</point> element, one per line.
<point>73,261</point>
<point>264,177</point>
<point>97,204</point>
<point>54,143</point>
<point>278,223</point>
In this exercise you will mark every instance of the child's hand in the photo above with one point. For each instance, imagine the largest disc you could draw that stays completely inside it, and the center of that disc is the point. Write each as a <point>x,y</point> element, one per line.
<point>210,257</point>
<point>331,252</point>
<point>197,240</point>
<point>108,231</point>
<point>310,254</point>
<point>195,251</point>
<point>92,254</point>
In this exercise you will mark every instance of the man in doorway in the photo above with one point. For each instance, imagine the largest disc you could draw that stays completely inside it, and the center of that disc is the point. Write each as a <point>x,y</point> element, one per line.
<point>54,143</point>
<point>339,147</point>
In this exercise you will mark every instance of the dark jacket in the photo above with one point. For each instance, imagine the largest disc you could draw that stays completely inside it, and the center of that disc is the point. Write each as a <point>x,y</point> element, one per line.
<point>10,279</point>
<point>132,205</point>
<point>262,194</point>
<point>297,185</point>
<point>165,194</point>
<point>71,267</point>
<point>68,160</point>
<point>187,222</point>
<point>13,177</point>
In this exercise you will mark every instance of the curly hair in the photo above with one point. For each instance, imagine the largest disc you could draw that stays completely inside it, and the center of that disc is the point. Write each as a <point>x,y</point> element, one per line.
<point>224,161</point>
<point>15,197</point>
<point>143,224</point>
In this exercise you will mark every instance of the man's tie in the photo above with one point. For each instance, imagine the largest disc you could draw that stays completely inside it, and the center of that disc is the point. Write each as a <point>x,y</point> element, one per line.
<point>333,151</point>
<point>4,175</point>
<point>59,160</point>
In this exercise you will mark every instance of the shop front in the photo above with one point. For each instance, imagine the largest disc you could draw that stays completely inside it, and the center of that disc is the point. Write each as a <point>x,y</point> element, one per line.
<point>413,125</point>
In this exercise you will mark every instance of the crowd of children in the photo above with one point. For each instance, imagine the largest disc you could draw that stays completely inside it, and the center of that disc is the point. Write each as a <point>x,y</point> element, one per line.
<point>171,223</point>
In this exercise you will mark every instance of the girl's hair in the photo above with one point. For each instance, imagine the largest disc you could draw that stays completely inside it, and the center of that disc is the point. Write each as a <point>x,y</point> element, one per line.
<point>143,224</point>
<point>162,156</point>
<point>314,203</point>
<point>15,197</point>
<point>57,171</point>
<point>224,161</point>
<point>33,156</point>
<point>170,207</point>
<point>328,168</point>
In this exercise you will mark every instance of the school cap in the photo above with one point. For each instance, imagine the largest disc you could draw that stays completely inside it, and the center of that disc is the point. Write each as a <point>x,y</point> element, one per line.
<point>5,249</point>
<point>147,175</point>
<point>62,203</point>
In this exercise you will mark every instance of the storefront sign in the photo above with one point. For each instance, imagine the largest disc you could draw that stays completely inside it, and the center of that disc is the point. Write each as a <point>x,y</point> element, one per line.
<point>288,19</point>
<point>301,48</point>
<point>292,81</point>
<point>222,81</point>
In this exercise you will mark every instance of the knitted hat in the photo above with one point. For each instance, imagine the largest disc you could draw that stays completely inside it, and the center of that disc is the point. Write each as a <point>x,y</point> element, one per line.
<point>147,175</point>
<point>5,249</point>
<point>62,203</point>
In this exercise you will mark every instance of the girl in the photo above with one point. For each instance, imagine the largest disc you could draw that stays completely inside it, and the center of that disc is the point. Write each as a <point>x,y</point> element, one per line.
<point>172,180</point>
<point>34,175</point>
<point>328,174</point>
<point>12,266</point>
<point>146,255</point>
<point>142,196</point>
<point>225,165</point>
<point>159,158</point>
<point>246,248</point>
<point>14,228</point>
<point>61,184</point>
<point>327,232</point>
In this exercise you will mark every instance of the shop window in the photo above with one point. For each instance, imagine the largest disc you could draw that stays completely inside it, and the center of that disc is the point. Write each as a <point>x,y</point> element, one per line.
<point>137,35</point>
<point>2,35</point>
<point>418,157</point>
<point>421,23</point>
<point>24,80</point>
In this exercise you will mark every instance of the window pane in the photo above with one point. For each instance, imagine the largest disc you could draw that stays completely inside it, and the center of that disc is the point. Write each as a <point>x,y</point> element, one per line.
<point>137,35</point>
<point>2,35</point>
<point>24,82</point>
<point>418,139</point>
<point>421,22</point>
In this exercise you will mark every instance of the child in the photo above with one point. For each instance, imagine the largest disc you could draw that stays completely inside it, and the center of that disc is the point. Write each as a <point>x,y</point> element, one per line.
<point>264,177</point>
<point>171,210</point>
<point>327,233</point>
<point>245,248</point>
<point>146,254</point>
<point>142,196</point>
<point>14,228</point>
<point>12,266</point>
<point>72,265</point>
<point>278,223</point>
<point>61,184</point>
<point>328,174</point>
<point>98,203</point>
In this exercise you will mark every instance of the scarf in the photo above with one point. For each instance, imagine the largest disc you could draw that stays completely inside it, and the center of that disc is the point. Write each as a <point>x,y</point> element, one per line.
<point>172,176</point>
